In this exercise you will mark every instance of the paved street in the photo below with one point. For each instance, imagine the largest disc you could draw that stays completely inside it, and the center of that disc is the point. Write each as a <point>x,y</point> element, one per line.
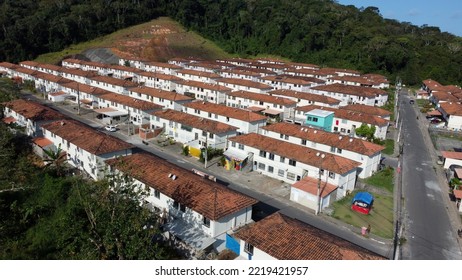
<point>430,225</point>
<point>272,194</point>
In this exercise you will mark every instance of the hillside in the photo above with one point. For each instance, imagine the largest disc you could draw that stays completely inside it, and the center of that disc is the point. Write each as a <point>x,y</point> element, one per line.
<point>311,31</point>
<point>157,40</point>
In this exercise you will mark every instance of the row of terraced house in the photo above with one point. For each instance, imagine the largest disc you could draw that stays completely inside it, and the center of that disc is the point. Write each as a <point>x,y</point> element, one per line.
<point>255,123</point>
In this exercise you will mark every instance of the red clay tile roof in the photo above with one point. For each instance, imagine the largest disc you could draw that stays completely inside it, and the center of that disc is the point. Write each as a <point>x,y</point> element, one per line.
<point>29,63</point>
<point>195,121</point>
<point>444,96</point>
<point>9,120</point>
<point>223,110</point>
<point>339,70</point>
<point>286,238</point>
<point>240,72</point>
<point>303,65</point>
<point>162,65</point>
<point>305,96</point>
<point>453,155</point>
<point>84,88</point>
<point>371,110</point>
<point>25,70</point>
<point>52,78</point>
<point>168,95</point>
<point>453,109</point>
<point>327,138</point>
<point>78,72</point>
<point>87,138</point>
<point>351,90</point>
<point>311,80</point>
<point>431,84</point>
<point>288,80</point>
<point>203,85</point>
<point>190,72</point>
<point>114,81</point>
<point>310,185</point>
<point>245,83</point>
<point>263,97</point>
<point>353,79</point>
<point>255,70</point>
<point>160,76</point>
<point>458,194</point>
<point>130,101</point>
<point>51,67</point>
<point>334,163</point>
<point>8,65</point>
<point>33,111</point>
<point>206,197</point>
<point>348,115</point>
<point>42,142</point>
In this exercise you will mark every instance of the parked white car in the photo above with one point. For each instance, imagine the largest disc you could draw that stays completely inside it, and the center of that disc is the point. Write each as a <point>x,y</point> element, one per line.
<point>110,128</point>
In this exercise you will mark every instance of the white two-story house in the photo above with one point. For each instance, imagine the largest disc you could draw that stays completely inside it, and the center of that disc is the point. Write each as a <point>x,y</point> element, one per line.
<point>30,115</point>
<point>364,152</point>
<point>198,76</point>
<point>158,80</point>
<point>87,149</point>
<point>353,94</point>
<point>345,122</point>
<point>112,84</point>
<point>279,237</point>
<point>291,163</point>
<point>245,120</point>
<point>273,106</point>
<point>193,131</point>
<point>245,85</point>
<point>166,99</point>
<point>196,210</point>
<point>203,91</point>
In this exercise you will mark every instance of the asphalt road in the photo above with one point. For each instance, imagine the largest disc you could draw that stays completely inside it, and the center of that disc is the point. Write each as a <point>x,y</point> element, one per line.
<point>267,205</point>
<point>427,227</point>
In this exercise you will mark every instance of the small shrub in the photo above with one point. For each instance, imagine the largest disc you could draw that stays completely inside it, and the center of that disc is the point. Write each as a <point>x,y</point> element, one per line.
<point>186,150</point>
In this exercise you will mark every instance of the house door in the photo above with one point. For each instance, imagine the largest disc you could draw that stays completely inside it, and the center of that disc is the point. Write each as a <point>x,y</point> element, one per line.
<point>196,136</point>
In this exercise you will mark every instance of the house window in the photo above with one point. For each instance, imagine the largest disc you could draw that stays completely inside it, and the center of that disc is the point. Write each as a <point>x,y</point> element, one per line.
<point>344,121</point>
<point>157,194</point>
<point>241,147</point>
<point>206,222</point>
<point>210,115</point>
<point>339,150</point>
<point>281,136</point>
<point>211,135</point>
<point>292,162</point>
<point>182,208</point>
<point>263,154</point>
<point>331,175</point>
<point>204,133</point>
<point>291,176</point>
<point>248,248</point>
<point>282,159</point>
<point>233,144</point>
<point>303,142</point>
<point>286,137</point>
<point>281,172</point>
<point>332,149</point>
<point>175,205</point>
<point>270,169</point>
<point>271,156</point>
<point>261,166</point>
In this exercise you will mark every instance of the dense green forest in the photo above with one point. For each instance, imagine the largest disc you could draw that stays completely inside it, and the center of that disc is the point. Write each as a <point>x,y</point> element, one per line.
<point>47,214</point>
<point>312,31</point>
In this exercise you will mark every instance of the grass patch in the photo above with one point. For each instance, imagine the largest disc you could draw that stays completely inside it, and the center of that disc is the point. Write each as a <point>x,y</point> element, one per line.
<point>422,102</point>
<point>389,147</point>
<point>380,218</point>
<point>382,179</point>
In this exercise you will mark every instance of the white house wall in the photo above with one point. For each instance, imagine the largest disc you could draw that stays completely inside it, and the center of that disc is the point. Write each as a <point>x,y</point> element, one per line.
<point>455,122</point>
<point>257,253</point>
<point>369,164</point>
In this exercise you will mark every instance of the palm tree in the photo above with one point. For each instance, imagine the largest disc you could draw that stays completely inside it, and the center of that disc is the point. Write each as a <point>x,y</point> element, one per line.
<point>55,159</point>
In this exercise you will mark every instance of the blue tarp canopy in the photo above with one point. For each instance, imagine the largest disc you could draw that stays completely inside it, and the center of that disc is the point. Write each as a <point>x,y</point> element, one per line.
<point>364,197</point>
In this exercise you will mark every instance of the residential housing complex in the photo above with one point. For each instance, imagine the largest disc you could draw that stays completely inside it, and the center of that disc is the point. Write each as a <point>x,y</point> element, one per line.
<point>225,104</point>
